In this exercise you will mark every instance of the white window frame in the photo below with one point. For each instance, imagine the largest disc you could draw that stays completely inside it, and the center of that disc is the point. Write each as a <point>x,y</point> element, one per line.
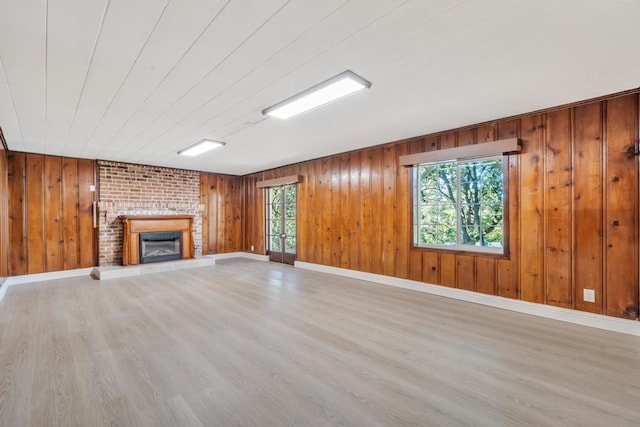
<point>458,247</point>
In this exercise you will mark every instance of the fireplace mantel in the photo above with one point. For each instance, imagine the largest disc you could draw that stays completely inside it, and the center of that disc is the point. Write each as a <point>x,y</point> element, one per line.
<point>136,224</point>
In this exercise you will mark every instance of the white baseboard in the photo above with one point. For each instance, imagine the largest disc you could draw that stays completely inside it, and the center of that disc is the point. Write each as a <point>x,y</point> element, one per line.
<point>614,324</point>
<point>247,255</point>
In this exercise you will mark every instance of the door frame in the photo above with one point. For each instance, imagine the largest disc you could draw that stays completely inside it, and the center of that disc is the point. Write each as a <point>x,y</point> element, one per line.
<point>281,256</point>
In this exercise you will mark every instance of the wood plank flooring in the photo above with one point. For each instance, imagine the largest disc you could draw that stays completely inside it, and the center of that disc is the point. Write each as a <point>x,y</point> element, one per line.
<point>259,344</point>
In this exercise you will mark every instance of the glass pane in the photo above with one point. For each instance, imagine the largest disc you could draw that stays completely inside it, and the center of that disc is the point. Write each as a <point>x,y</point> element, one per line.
<point>481,187</point>
<point>470,236</point>
<point>290,227</point>
<point>275,211</point>
<point>492,236</point>
<point>275,195</point>
<point>290,244</point>
<point>445,235</point>
<point>437,193</point>
<point>290,193</point>
<point>290,211</point>
<point>275,227</point>
<point>275,243</point>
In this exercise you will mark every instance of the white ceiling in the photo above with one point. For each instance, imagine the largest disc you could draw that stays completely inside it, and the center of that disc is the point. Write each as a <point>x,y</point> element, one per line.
<point>138,80</point>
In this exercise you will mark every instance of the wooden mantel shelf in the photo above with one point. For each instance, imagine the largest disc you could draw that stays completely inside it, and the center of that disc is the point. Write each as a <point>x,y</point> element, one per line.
<point>163,217</point>
<point>136,224</point>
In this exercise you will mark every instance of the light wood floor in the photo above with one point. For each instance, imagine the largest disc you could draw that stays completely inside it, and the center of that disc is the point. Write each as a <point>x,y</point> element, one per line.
<point>258,344</point>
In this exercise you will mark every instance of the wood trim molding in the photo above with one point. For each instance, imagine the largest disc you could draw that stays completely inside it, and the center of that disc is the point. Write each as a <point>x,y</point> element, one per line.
<point>291,179</point>
<point>495,148</point>
<point>159,216</point>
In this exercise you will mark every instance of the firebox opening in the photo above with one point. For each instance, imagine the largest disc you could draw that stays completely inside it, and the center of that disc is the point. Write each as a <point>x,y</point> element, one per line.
<point>160,246</point>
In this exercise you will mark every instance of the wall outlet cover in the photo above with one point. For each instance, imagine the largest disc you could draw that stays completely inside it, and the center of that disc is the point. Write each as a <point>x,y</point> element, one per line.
<point>589,295</point>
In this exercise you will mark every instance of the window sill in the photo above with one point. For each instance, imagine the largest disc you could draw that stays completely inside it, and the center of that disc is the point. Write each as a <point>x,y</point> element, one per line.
<point>504,254</point>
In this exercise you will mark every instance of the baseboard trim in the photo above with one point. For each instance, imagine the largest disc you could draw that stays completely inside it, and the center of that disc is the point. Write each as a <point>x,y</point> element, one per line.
<point>608,323</point>
<point>247,255</point>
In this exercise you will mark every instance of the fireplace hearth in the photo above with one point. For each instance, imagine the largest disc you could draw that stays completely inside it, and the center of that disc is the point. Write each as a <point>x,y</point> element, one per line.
<point>160,246</point>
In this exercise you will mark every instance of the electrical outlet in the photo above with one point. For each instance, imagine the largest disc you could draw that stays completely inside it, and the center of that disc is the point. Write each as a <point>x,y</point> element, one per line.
<point>589,295</point>
<point>251,248</point>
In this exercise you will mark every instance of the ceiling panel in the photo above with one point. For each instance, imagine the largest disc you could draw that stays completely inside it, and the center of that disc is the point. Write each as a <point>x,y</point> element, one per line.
<point>234,25</point>
<point>72,31</point>
<point>10,124</point>
<point>279,77</point>
<point>183,22</point>
<point>125,30</point>
<point>22,49</point>
<point>282,29</point>
<point>139,80</point>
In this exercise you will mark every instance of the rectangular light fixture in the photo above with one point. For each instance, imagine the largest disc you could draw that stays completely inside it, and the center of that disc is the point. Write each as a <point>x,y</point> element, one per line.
<point>337,87</point>
<point>201,147</point>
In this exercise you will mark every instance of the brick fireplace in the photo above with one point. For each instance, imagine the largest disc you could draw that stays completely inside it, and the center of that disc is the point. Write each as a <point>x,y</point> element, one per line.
<point>129,189</point>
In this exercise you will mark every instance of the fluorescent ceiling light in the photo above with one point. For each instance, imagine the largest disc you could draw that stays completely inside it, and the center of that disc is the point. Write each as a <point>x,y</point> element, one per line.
<point>201,147</point>
<point>338,87</point>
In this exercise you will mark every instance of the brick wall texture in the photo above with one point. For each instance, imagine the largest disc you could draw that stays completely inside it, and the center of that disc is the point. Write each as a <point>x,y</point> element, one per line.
<point>144,190</point>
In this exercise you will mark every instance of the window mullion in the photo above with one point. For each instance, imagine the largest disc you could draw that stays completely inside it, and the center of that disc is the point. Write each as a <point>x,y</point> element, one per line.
<point>458,205</point>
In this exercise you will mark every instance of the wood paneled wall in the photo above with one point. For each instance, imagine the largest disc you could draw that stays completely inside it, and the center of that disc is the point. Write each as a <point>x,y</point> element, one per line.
<point>50,213</point>
<point>4,212</point>
<point>222,224</point>
<point>573,210</point>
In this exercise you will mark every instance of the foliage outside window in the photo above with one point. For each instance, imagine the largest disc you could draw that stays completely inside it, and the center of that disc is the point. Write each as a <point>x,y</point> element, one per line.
<point>281,219</point>
<point>459,205</point>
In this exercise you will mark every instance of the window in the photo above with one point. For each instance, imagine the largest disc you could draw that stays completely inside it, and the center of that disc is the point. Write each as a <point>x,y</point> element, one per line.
<point>460,205</point>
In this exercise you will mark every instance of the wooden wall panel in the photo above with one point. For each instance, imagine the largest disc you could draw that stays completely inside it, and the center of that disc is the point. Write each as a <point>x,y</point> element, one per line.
<point>87,234</point>
<point>402,222</point>
<point>508,284</point>
<point>318,230</point>
<point>36,258</point>
<point>223,222</point>
<point>325,212</point>
<point>567,188</point>
<point>621,208</point>
<point>389,211</point>
<point>353,216</point>
<point>466,272</point>
<point>430,264</point>
<point>204,195</point>
<point>531,262</point>
<point>4,212</point>
<point>335,244</point>
<point>431,271</point>
<point>365,211</point>
<point>51,213</point>
<point>558,194</point>
<point>377,220</point>
<point>486,270</point>
<point>448,270</point>
<point>17,215</point>
<point>345,199</point>
<point>588,200</point>
<point>70,221</point>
